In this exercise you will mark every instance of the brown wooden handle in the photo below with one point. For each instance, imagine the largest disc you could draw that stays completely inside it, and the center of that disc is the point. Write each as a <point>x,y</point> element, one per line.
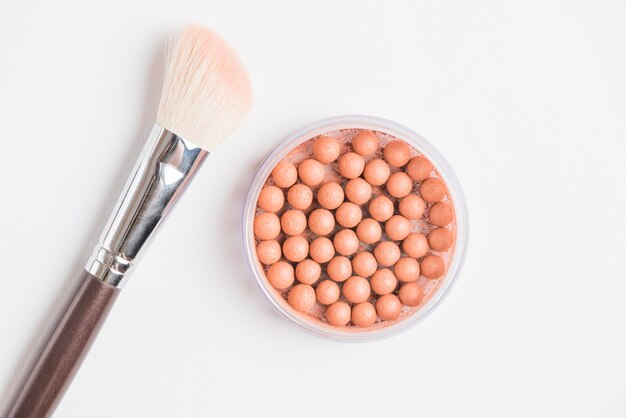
<point>63,350</point>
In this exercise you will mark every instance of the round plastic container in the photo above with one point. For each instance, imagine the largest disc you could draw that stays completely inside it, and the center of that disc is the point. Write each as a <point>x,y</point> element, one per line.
<point>314,325</point>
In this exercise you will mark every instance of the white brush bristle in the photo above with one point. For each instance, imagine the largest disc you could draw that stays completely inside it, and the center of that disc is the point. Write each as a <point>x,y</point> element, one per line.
<point>206,90</point>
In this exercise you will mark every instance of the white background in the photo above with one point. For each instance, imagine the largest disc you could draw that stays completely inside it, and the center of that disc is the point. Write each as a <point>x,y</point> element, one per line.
<point>527,101</point>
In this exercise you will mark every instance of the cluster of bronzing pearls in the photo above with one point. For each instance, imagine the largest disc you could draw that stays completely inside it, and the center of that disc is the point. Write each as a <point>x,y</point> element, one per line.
<point>354,228</point>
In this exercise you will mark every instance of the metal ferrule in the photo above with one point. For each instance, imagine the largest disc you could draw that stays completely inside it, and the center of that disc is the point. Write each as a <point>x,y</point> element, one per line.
<point>161,174</point>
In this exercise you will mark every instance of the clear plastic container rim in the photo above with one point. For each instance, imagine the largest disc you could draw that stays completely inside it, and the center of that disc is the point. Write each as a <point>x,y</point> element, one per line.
<point>301,135</point>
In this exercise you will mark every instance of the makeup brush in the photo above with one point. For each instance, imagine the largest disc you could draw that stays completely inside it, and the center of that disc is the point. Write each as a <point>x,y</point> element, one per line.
<point>206,94</point>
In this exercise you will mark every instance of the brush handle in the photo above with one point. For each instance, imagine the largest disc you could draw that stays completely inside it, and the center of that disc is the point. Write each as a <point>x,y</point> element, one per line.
<point>63,349</point>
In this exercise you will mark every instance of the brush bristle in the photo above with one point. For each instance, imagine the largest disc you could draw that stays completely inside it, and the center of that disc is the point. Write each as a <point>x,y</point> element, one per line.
<point>206,90</point>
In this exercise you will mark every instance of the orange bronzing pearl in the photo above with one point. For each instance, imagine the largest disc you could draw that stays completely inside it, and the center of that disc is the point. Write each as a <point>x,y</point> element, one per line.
<point>364,264</point>
<point>412,206</point>
<point>308,271</point>
<point>271,199</point>
<point>440,214</point>
<point>363,314</point>
<point>300,196</point>
<point>383,282</point>
<point>387,253</point>
<point>301,297</point>
<point>330,195</point>
<point>266,226</point>
<point>295,248</point>
<point>376,172</point>
<point>432,267</point>
<point>351,165</point>
<point>398,227</point>
<point>397,153</point>
<point>407,269</point>
<point>293,222</point>
<point>388,307</point>
<point>433,190</point>
<point>321,222</point>
<point>338,314</point>
<point>369,231</point>
<point>356,289</point>
<point>365,143</point>
<point>326,149</point>
<point>311,172</point>
<point>440,239</point>
<point>280,275</point>
<point>399,184</point>
<point>411,294</point>
<point>284,174</point>
<point>346,242</point>
<point>415,245</point>
<point>322,250</point>
<point>381,208</point>
<point>358,191</point>
<point>327,292</point>
<point>419,168</point>
<point>268,252</point>
<point>348,215</point>
<point>339,268</point>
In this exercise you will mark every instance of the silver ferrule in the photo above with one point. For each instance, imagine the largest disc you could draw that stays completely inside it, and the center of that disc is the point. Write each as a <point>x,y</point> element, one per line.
<point>161,174</point>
